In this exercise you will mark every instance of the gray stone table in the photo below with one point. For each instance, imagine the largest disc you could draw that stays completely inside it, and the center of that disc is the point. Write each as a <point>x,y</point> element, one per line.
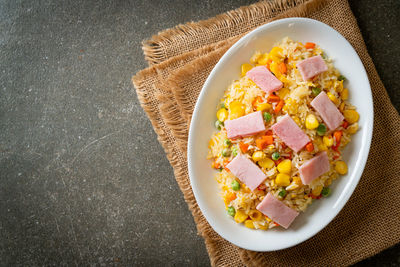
<point>83,179</point>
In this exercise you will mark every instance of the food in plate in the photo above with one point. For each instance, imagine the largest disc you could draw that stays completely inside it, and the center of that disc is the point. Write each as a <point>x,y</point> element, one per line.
<point>281,128</point>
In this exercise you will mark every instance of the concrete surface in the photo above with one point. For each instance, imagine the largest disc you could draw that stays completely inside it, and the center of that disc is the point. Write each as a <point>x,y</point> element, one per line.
<point>83,178</point>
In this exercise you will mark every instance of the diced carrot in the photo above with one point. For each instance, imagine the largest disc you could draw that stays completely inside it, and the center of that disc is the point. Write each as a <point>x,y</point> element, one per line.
<point>345,124</point>
<point>273,98</point>
<point>230,196</point>
<point>244,147</point>
<point>264,141</point>
<point>269,139</point>
<point>337,135</point>
<point>310,147</point>
<point>268,64</point>
<point>216,165</point>
<point>257,101</point>
<point>309,45</point>
<point>279,106</point>
<point>282,68</point>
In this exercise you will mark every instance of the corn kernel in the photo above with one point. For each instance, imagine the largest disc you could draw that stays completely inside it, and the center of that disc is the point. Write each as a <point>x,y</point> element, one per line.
<point>341,107</point>
<point>285,166</point>
<point>282,179</point>
<point>258,155</point>
<point>328,140</point>
<point>322,147</point>
<point>283,92</point>
<point>311,122</point>
<point>266,163</point>
<point>275,69</point>
<point>351,116</point>
<point>296,120</point>
<point>263,106</point>
<point>240,216</point>
<point>255,57</point>
<point>263,227</point>
<point>255,215</point>
<point>236,109</point>
<point>352,129</point>
<point>268,219</point>
<point>249,224</point>
<point>245,68</point>
<point>333,98</point>
<point>297,180</point>
<point>341,167</point>
<point>263,59</point>
<point>222,114</point>
<point>317,190</point>
<point>274,54</point>
<point>345,94</point>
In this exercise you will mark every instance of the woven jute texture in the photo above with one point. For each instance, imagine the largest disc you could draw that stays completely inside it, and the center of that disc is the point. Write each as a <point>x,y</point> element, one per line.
<point>180,60</point>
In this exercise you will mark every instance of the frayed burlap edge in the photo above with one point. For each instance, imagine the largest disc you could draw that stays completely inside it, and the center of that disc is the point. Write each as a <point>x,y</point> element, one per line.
<point>155,48</point>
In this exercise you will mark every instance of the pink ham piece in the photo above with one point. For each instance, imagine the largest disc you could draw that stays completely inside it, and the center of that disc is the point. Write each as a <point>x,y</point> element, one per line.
<point>277,211</point>
<point>246,171</point>
<point>264,79</point>
<point>311,67</point>
<point>245,126</point>
<point>328,111</point>
<point>290,133</point>
<point>314,168</point>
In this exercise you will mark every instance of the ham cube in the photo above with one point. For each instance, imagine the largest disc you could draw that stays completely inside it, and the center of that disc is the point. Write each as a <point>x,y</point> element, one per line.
<point>311,67</point>
<point>314,168</point>
<point>246,171</point>
<point>290,133</point>
<point>264,79</point>
<point>244,126</point>
<point>327,110</point>
<point>277,211</point>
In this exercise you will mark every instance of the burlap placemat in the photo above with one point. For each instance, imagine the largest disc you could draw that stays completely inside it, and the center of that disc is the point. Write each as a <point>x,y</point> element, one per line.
<point>181,60</point>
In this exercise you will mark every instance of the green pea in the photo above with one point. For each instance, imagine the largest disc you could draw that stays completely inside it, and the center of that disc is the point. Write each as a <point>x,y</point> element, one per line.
<point>321,129</point>
<point>226,152</point>
<point>275,155</point>
<point>282,193</point>
<point>231,211</point>
<point>234,151</point>
<point>342,78</point>
<point>326,191</point>
<point>227,142</point>
<point>222,105</point>
<point>316,91</point>
<point>218,124</point>
<point>235,185</point>
<point>267,116</point>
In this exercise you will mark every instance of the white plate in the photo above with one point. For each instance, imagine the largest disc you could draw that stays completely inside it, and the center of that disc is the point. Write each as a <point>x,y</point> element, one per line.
<point>321,212</point>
